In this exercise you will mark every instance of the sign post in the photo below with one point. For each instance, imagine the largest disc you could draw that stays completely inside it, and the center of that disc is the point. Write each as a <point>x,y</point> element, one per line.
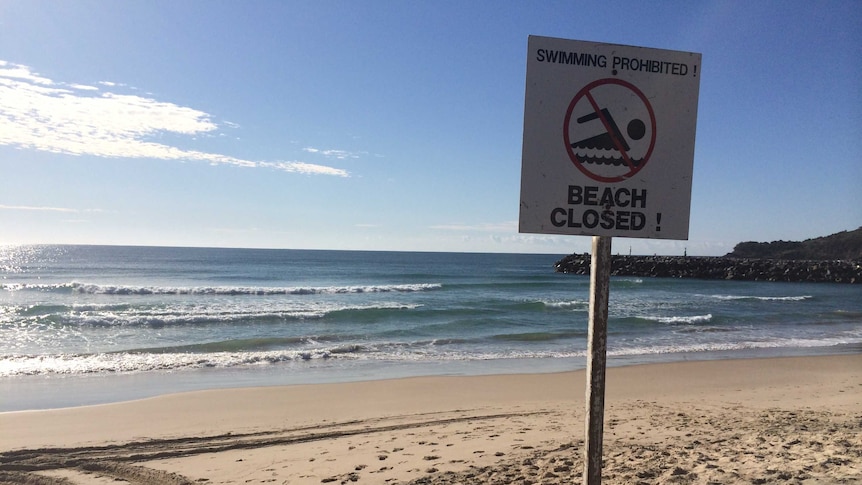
<point>608,151</point>
<point>597,341</point>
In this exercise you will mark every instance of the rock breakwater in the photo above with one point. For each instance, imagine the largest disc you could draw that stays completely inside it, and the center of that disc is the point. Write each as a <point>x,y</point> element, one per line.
<point>703,267</point>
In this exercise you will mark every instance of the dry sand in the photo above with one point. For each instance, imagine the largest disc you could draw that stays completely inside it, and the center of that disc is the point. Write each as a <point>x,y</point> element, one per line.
<point>763,421</point>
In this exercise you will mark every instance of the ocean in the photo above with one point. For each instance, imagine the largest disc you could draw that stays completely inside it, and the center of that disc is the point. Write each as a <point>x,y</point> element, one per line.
<point>93,324</point>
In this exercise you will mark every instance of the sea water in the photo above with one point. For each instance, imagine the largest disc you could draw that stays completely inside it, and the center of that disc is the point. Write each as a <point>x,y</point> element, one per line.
<point>86,324</point>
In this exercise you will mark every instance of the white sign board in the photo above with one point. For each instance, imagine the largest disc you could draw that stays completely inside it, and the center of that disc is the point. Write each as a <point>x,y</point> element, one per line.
<point>608,139</point>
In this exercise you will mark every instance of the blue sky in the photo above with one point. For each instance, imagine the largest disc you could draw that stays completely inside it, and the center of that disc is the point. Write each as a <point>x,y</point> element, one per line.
<point>396,125</point>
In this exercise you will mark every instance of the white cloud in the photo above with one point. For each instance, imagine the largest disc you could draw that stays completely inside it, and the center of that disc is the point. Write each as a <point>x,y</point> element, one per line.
<point>38,113</point>
<point>84,87</point>
<point>16,71</point>
<point>306,168</point>
<point>329,153</point>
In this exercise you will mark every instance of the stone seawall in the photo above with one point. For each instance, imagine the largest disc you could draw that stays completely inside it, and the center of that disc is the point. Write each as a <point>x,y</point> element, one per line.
<point>721,268</point>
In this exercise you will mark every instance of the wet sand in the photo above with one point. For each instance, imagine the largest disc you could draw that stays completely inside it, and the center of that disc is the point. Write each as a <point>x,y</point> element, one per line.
<point>759,421</point>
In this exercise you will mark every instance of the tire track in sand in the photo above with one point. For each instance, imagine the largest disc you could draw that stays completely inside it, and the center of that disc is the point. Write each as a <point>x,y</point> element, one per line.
<point>35,466</point>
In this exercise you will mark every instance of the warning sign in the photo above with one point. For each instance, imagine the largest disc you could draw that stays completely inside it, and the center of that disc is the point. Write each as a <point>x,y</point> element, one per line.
<point>608,139</point>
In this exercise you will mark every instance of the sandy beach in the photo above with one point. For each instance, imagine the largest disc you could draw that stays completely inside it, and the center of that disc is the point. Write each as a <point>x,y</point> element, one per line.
<point>781,420</point>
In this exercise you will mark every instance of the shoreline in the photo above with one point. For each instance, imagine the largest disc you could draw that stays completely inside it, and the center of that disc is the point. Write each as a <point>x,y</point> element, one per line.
<point>768,420</point>
<point>35,393</point>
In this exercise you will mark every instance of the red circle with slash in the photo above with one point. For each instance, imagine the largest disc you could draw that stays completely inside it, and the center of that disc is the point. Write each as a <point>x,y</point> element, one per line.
<point>612,137</point>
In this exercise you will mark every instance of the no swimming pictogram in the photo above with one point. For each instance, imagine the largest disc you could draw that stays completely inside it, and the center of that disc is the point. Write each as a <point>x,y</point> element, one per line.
<point>593,130</point>
<point>622,166</point>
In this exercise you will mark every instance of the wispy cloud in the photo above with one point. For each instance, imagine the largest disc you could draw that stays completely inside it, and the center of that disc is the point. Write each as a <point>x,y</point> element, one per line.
<point>507,226</point>
<point>83,87</point>
<point>75,119</point>
<point>305,168</point>
<point>330,153</point>
<point>45,209</point>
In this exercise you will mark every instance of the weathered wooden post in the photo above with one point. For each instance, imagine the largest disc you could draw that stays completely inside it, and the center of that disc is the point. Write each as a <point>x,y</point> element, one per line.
<point>597,339</point>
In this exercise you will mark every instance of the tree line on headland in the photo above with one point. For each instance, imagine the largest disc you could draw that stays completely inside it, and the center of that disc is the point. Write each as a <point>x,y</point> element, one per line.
<point>831,259</point>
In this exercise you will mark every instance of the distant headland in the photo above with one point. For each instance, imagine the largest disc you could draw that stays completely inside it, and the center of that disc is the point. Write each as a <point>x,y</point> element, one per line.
<point>831,259</point>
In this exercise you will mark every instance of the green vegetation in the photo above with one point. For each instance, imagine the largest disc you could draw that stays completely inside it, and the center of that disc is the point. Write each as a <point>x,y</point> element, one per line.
<point>845,245</point>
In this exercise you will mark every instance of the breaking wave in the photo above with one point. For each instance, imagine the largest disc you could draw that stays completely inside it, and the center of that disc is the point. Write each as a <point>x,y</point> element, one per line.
<point>762,298</point>
<point>96,289</point>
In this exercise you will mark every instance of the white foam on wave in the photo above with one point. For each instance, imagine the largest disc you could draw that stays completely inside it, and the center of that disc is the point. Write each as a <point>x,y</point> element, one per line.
<point>636,281</point>
<point>123,363</point>
<point>132,362</point>
<point>572,304</point>
<point>12,287</point>
<point>247,290</point>
<point>691,319</point>
<point>98,289</point>
<point>730,346</point>
<point>95,315</point>
<point>762,298</point>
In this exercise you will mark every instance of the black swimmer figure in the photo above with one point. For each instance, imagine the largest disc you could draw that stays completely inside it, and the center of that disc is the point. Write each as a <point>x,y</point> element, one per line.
<point>635,129</point>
